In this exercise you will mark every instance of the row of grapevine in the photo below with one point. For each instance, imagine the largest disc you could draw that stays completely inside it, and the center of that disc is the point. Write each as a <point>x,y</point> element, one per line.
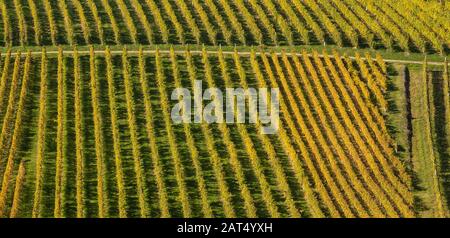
<point>113,21</point>
<point>22,23</point>
<point>99,140</point>
<point>430,111</point>
<point>79,141</point>
<point>4,79</point>
<point>143,19</point>
<point>360,25</point>
<point>51,21</point>
<point>346,28</point>
<point>212,33</point>
<point>58,211</point>
<point>186,13</point>
<point>381,63</point>
<point>249,18</point>
<point>264,20</point>
<point>371,83</point>
<point>446,92</point>
<point>8,117</point>
<point>380,78</point>
<point>174,19</point>
<point>268,196</point>
<point>249,147</point>
<point>377,71</point>
<point>7,31</point>
<point>84,22</point>
<point>67,21</point>
<point>20,179</point>
<point>194,153</point>
<point>140,178</point>
<point>126,17</point>
<point>41,138</point>
<point>216,162</point>
<point>375,110</point>
<point>227,34</point>
<point>158,20</point>
<point>16,136</point>
<point>281,21</point>
<point>179,171</point>
<point>122,198</point>
<point>229,144</point>
<point>325,20</point>
<point>297,24</point>
<point>36,22</point>
<point>318,32</point>
<point>157,167</point>
<point>235,24</point>
<point>97,19</point>
<point>363,90</point>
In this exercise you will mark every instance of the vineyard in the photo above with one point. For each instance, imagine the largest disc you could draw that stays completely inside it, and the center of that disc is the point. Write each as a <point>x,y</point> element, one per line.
<point>411,26</point>
<point>130,160</point>
<point>86,103</point>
